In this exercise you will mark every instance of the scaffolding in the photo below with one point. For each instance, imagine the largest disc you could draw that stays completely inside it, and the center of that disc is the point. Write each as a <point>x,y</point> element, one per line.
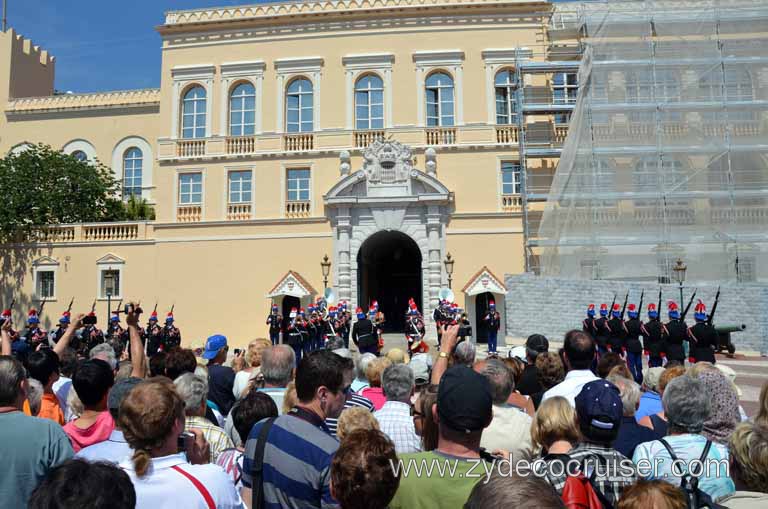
<point>667,150</point>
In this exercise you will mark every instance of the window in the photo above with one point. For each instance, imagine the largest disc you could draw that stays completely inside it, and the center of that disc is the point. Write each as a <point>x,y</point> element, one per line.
<point>80,155</point>
<point>240,186</point>
<point>369,102</point>
<point>738,88</point>
<point>299,106</point>
<point>651,179</point>
<point>298,184</point>
<point>132,166</point>
<point>510,177</point>
<point>439,100</point>
<point>596,180</point>
<point>109,283</point>
<point>505,97</point>
<point>565,88</point>
<point>45,284</point>
<point>664,265</point>
<point>190,188</point>
<point>745,269</point>
<point>193,113</point>
<point>638,85</point>
<point>590,269</point>
<point>242,110</point>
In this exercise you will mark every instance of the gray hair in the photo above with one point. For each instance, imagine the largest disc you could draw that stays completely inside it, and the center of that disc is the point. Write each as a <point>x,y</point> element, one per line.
<point>398,382</point>
<point>686,404</point>
<point>35,396</point>
<point>11,375</point>
<point>465,353</point>
<point>500,379</point>
<point>335,344</point>
<point>277,363</point>
<point>105,352</point>
<point>343,352</point>
<point>362,365</point>
<point>193,389</point>
<point>630,393</point>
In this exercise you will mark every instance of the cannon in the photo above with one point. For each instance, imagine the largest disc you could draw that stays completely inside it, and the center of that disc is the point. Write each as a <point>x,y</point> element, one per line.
<point>724,336</point>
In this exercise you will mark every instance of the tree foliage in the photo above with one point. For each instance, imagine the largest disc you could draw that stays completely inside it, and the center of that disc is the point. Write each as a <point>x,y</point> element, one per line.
<point>42,186</point>
<point>138,209</point>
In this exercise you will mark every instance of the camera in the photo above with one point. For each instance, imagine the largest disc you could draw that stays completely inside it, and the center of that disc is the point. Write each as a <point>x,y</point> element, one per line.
<point>181,441</point>
<point>238,351</point>
<point>130,308</point>
<point>89,320</point>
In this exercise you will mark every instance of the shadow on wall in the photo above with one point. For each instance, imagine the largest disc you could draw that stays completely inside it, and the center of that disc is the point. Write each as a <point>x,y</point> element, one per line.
<point>16,272</point>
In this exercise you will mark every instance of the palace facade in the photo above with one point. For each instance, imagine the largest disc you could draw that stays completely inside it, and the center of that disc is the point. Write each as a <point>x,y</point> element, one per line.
<point>383,133</point>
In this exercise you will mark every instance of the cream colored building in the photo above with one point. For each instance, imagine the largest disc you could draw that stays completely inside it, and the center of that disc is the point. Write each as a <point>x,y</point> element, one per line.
<point>379,132</point>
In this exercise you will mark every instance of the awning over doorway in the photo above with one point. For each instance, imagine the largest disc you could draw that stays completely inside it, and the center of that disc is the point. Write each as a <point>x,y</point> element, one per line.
<point>294,285</point>
<point>484,281</point>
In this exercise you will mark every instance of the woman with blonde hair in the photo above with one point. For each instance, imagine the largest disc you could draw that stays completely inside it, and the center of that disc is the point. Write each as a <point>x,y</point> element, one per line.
<point>152,418</point>
<point>373,373</point>
<point>355,419</point>
<point>252,366</point>
<point>555,431</point>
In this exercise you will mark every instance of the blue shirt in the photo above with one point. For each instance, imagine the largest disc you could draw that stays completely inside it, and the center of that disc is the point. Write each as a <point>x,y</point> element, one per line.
<point>650,403</point>
<point>297,461</point>
<point>114,449</point>
<point>631,434</point>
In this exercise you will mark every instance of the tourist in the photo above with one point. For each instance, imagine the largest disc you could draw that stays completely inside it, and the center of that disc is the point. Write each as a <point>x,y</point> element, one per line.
<point>247,411</point>
<point>152,417</point>
<point>29,447</point>
<point>652,495</point>
<point>599,413</point>
<point>510,429</point>
<point>157,364</point>
<point>34,397</point>
<point>762,410</point>
<point>115,448</point>
<point>290,399</point>
<point>578,355</point>
<point>375,392</point>
<point>179,361</point>
<point>78,483</point>
<point>748,448</point>
<point>299,446</point>
<point>278,367</point>
<point>513,491</point>
<point>395,416</point>
<point>658,421</point>
<point>687,406</point>
<point>724,414</point>
<point>529,383</point>
<point>549,372</point>
<point>92,381</point>
<point>424,421</point>
<point>461,421</point>
<point>650,400</point>
<point>43,366</point>
<point>631,434</point>
<point>607,362</point>
<point>193,390</point>
<point>221,378</point>
<point>517,400</point>
<point>62,386</point>
<point>397,356</point>
<point>361,382</point>
<point>555,431</point>
<point>353,400</point>
<point>361,472</point>
<point>421,364</point>
<point>357,418</point>
<point>252,367</point>
<point>105,352</point>
<point>465,354</point>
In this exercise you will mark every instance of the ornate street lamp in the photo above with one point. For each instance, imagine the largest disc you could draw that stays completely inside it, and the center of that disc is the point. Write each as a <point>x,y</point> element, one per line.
<point>680,269</point>
<point>448,262</point>
<point>325,265</point>
<point>109,281</point>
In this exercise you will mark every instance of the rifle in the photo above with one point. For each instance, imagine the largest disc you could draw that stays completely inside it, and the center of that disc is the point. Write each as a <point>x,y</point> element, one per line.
<point>610,309</point>
<point>640,306</point>
<point>69,308</point>
<point>682,317</point>
<point>173,306</point>
<point>93,306</point>
<point>118,306</point>
<point>626,298</point>
<point>42,305</point>
<point>658,309</point>
<point>714,307</point>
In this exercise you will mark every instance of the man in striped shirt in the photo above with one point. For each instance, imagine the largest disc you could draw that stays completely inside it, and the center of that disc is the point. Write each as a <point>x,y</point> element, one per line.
<point>353,400</point>
<point>299,446</point>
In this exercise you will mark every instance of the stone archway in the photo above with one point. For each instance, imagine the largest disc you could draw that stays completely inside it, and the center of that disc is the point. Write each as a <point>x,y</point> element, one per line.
<point>388,194</point>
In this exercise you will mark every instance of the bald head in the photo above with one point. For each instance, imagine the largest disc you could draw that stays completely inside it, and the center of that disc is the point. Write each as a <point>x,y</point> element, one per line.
<point>579,349</point>
<point>277,365</point>
<point>465,353</point>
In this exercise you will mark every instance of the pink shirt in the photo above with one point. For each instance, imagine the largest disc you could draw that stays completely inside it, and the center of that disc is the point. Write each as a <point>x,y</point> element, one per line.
<point>376,395</point>
<point>93,434</point>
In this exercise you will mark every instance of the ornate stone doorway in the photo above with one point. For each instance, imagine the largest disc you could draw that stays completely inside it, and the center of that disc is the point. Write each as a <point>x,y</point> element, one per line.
<point>389,271</point>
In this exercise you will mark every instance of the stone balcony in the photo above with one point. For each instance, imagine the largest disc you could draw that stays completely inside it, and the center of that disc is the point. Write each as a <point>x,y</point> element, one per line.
<point>95,233</point>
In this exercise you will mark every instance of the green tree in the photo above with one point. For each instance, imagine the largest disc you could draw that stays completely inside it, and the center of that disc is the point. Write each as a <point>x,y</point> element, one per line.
<point>42,186</point>
<point>137,209</point>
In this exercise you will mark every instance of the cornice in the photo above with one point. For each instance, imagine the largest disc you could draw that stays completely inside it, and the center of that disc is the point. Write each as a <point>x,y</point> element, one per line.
<point>100,100</point>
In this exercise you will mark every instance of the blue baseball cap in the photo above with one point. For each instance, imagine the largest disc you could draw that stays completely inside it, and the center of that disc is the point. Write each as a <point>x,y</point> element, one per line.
<point>599,408</point>
<point>212,346</point>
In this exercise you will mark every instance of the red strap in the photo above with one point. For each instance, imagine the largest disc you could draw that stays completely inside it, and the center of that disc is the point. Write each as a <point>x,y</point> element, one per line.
<point>202,489</point>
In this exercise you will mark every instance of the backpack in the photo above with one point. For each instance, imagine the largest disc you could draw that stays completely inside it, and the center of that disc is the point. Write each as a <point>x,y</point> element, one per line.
<point>689,484</point>
<point>581,492</point>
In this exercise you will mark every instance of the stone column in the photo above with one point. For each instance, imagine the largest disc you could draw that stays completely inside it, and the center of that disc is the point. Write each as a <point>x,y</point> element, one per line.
<point>343,234</point>
<point>434,232</point>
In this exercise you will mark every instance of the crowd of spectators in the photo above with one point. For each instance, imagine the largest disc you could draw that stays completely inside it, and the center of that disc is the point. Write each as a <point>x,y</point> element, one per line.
<point>448,429</point>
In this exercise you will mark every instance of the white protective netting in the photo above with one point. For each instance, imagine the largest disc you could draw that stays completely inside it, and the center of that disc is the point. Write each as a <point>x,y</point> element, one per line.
<point>667,151</point>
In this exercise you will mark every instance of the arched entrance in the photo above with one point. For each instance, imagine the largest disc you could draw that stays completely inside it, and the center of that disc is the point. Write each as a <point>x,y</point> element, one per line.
<point>389,271</point>
<point>481,309</point>
<point>289,302</point>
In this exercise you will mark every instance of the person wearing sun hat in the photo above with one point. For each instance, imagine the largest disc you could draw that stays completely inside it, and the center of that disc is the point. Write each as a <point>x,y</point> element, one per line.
<point>221,378</point>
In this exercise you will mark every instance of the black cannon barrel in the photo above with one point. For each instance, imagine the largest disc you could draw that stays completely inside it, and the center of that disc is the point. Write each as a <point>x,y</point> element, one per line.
<point>730,327</point>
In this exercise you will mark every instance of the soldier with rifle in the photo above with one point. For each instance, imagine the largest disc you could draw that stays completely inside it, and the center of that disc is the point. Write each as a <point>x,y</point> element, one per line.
<point>414,331</point>
<point>313,330</point>
<point>114,329</point>
<point>56,335</point>
<point>154,335</point>
<point>654,332</point>
<point>617,329</point>
<point>19,348</point>
<point>702,335</point>
<point>346,322</point>
<point>588,324</point>
<point>274,320</point>
<point>331,325</point>
<point>34,335</point>
<point>171,333</point>
<point>293,332</point>
<point>493,323</point>
<point>677,333</point>
<point>602,331</point>
<point>634,348</point>
<point>364,334</point>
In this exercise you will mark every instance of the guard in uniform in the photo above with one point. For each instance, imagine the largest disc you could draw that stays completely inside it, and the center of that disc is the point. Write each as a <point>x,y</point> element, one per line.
<point>274,320</point>
<point>677,333</point>
<point>293,333</point>
<point>313,331</point>
<point>493,323</point>
<point>346,322</point>
<point>61,328</point>
<point>618,332</point>
<point>633,346</point>
<point>414,326</point>
<point>19,348</point>
<point>378,322</point>
<point>702,336</point>
<point>91,335</point>
<point>653,332</point>
<point>602,331</point>
<point>34,335</point>
<point>331,326</point>
<point>364,334</point>
<point>115,330</point>
<point>171,334</point>
<point>588,324</point>
<point>437,317</point>
<point>154,335</point>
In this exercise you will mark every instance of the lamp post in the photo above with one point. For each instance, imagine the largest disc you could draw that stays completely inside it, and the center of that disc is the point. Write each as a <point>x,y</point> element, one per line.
<point>680,269</point>
<point>325,265</point>
<point>448,262</point>
<point>108,282</point>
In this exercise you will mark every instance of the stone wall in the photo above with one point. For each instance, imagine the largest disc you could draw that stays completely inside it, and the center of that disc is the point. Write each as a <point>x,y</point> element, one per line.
<point>552,306</point>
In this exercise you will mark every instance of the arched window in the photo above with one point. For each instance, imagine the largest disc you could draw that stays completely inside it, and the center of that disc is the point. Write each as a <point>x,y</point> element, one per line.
<point>80,155</point>
<point>299,106</point>
<point>652,177</point>
<point>369,102</point>
<point>193,113</point>
<point>242,110</point>
<point>439,89</point>
<point>133,161</point>
<point>506,85</point>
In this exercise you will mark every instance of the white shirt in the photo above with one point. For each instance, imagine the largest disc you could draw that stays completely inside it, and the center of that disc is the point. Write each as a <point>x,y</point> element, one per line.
<point>163,487</point>
<point>114,449</point>
<point>61,388</point>
<point>571,386</point>
<point>242,378</point>
<point>510,430</point>
<point>396,422</point>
